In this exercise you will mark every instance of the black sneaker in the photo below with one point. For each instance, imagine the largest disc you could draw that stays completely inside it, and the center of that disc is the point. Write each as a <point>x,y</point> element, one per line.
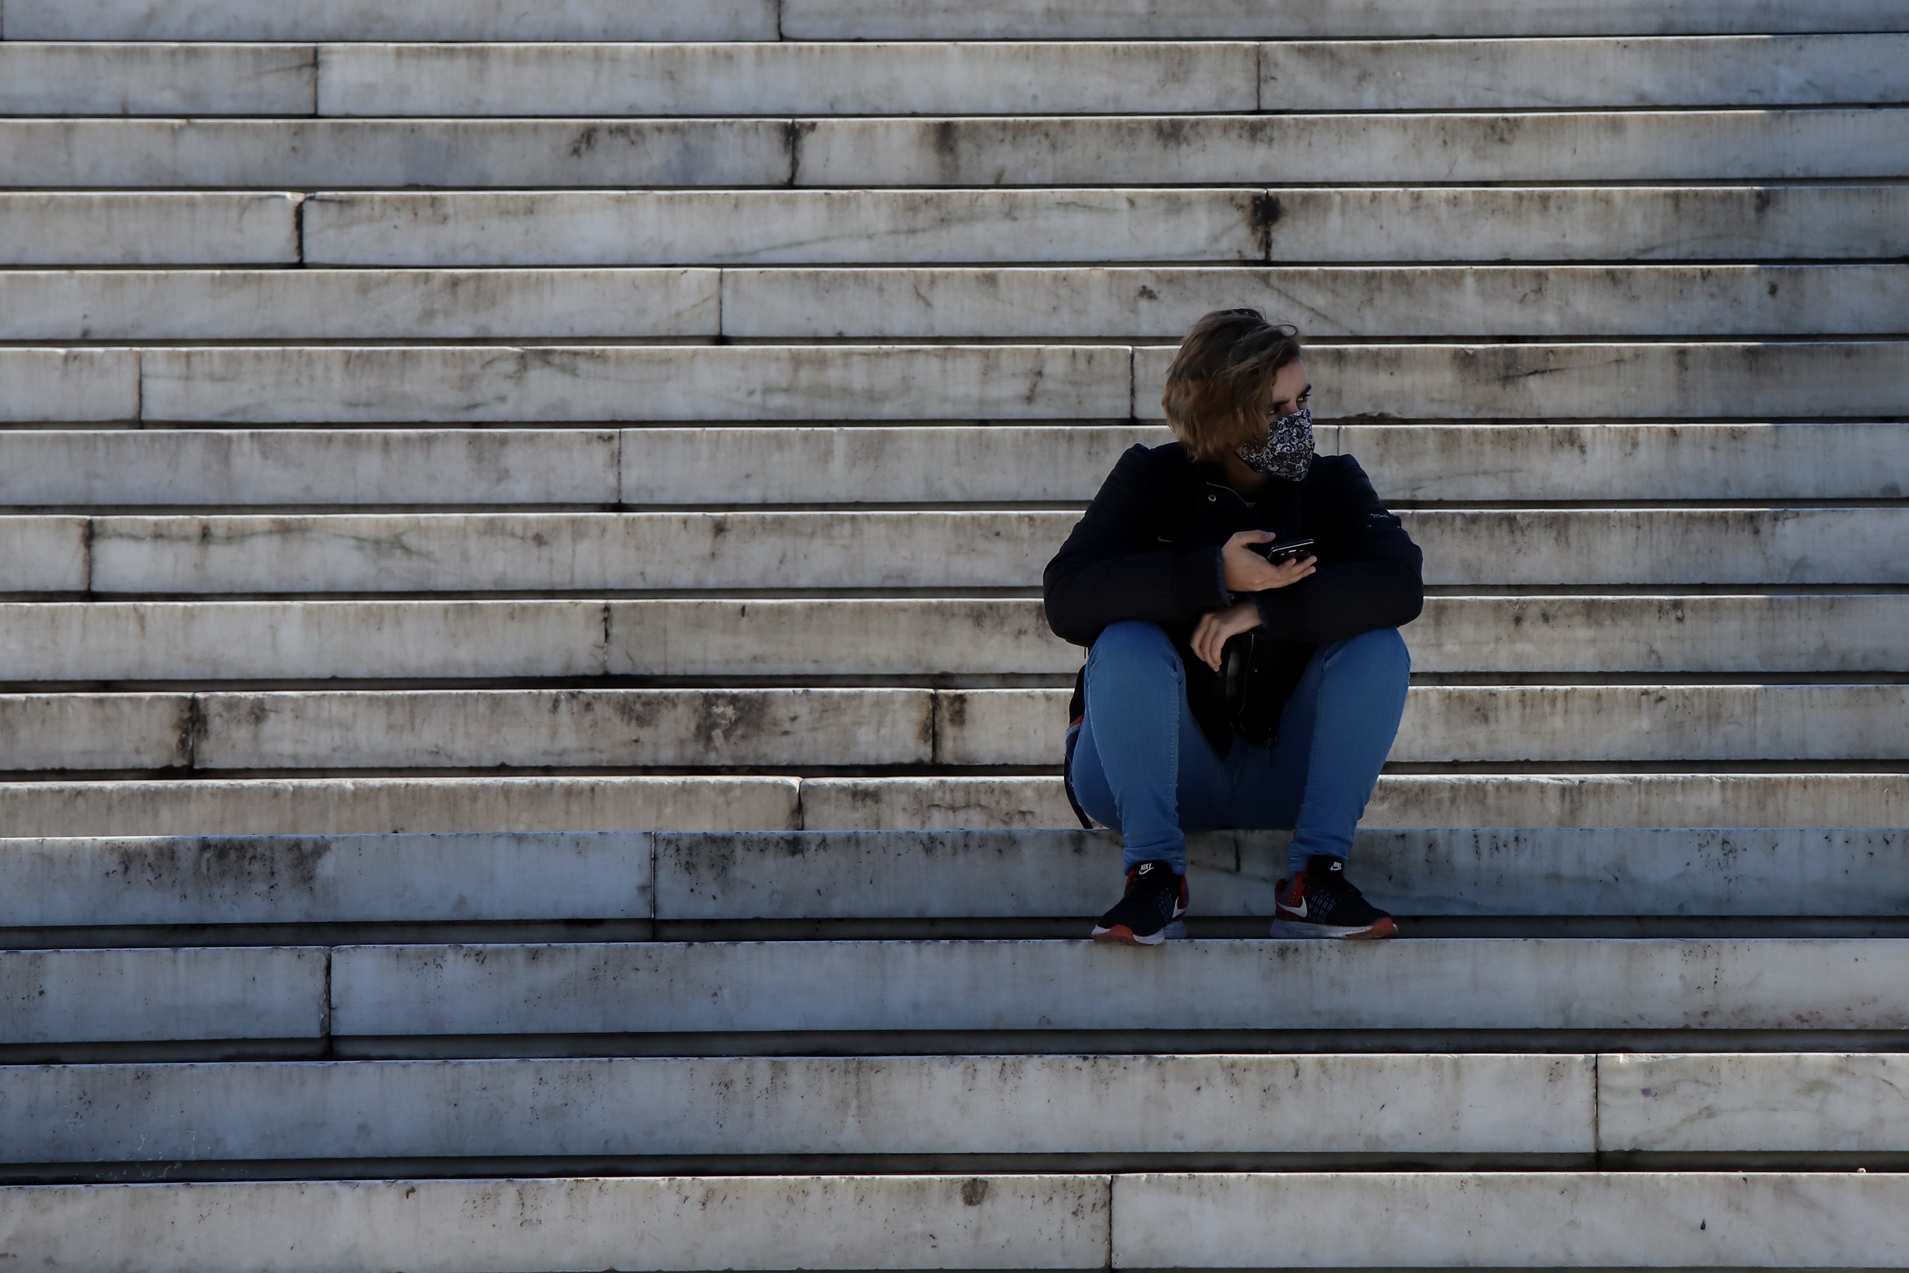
<point>1323,903</point>
<point>1155,898</point>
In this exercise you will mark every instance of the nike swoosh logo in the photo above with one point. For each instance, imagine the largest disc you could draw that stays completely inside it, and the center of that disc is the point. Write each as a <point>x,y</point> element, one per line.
<point>1299,910</point>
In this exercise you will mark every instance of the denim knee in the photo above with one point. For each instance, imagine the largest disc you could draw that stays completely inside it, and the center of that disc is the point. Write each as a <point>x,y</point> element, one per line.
<point>1135,648</point>
<point>1380,654</point>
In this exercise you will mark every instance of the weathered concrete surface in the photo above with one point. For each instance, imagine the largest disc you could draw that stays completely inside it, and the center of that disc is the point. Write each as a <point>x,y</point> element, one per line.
<point>324,879</point>
<point>1744,145</point>
<point>1360,302</point>
<point>1628,462</point>
<point>799,1105</point>
<point>937,78</point>
<point>1220,19</point>
<point>62,385</point>
<point>344,806</point>
<point>1795,633</point>
<point>1704,799</point>
<point>1549,723</point>
<point>83,996</point>
<point>320,154</point>
<point>556,551</point>
<point>1813,1102</point>
<point>1529,871</point>
<point>1434,983</point>
<point>1611,381</point>
<point>374,20</point>
<point>568,1226</point>
<point>279,640</point>
<point>499,384</point>
<point>810,227</point>
<point>1464,74</point>
<point>632,227</point>
<point>157,79</point>
<point>373,729</point>
<point>307,467</point>
<point>1503,1219</point>
<point>212,640</point>
<point>95,731</point>
<point>847,636</point>
<point>1758,547</point>
<point>933,464</point>
<point>110,228</point>
<point>357,304</point>
<point>43,554</point>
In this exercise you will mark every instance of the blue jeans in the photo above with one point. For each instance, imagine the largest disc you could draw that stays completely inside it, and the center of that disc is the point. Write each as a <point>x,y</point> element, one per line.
<point>1143,767</point>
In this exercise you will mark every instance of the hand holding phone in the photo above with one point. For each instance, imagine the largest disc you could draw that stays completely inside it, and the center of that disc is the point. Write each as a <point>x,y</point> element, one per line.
<point>1280,554</point>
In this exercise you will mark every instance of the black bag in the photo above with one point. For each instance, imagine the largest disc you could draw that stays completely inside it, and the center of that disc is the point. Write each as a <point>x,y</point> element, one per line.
<point>1257,675</point>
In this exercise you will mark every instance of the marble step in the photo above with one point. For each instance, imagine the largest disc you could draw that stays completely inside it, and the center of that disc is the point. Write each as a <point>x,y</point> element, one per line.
<point>1337,302</point>
<point>868,19</point>
<point>1450,1219</point>
<point>846,875</point>
<point>596,728</point>
<point>157,79</point>
<point>1559,1106</point>
<point>1806,797</point>
<point>501,384</point>
<point>869,227</point>
<point>933,464</point>
<point>126,555</point>
<point>221,20</point>
<point>195,641</point>
<point>1155,77</point>
<point>147,229</point>
<point>1690,145</point>
<point>1244,19</point>
<point>157,994</point>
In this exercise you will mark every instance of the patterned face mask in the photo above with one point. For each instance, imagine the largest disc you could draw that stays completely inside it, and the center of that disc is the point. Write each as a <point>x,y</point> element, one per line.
<point>1287,451</point>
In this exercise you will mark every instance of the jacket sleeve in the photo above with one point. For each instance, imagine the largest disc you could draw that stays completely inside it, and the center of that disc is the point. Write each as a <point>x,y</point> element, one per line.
<point>1113,567</point>
<point>1375,579</point>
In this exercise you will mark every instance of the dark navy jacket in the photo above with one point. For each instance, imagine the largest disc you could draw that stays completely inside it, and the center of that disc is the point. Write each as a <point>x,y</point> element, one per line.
<point>1149,548</point>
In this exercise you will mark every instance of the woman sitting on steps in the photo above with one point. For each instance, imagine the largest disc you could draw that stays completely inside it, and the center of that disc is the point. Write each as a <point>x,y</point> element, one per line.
<point>1224,689</point>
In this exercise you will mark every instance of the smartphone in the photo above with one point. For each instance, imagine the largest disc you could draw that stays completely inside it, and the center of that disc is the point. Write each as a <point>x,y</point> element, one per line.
<point>1280,554</point>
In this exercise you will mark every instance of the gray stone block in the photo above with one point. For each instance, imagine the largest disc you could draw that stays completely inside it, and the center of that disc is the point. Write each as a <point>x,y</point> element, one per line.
<point>1432,983</point>
<point>1597,381</point>
<point>1524,1220</point>
<point>565,1226</point>
<point>1444,303</point>
<point>1286,225</point>
<point>500,384</point>
<point>95,731</point>
<point>44,554</point>
<point>307,467</point>
<point>375,729</point>
<point>316,154</point>
<point>635,227</point>
<point>934,78</point>
<point>157,79</point>
<point>1240,19</point>
<point>373,20</point>
<point>90,996</point>
<point>357,304</point>
<point>360,805</point>
<point>1465,74</point>
<point>1351,149</point>
<point>323,879</point>
<point>1820,1102</point>
<point>115,228</point>
<point>68,385</point>
<point>799,1105</point>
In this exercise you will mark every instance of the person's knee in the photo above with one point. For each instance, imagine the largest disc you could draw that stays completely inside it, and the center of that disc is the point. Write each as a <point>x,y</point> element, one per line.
<point>1134,648</point>
<point>1380,654</point>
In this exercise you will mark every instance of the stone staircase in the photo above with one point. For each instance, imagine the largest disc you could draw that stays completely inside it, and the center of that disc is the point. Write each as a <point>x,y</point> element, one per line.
<point>526,726</point>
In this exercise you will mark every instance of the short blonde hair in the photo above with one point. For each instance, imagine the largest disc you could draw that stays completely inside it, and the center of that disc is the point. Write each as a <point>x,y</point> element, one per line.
<point>1220,387</point>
